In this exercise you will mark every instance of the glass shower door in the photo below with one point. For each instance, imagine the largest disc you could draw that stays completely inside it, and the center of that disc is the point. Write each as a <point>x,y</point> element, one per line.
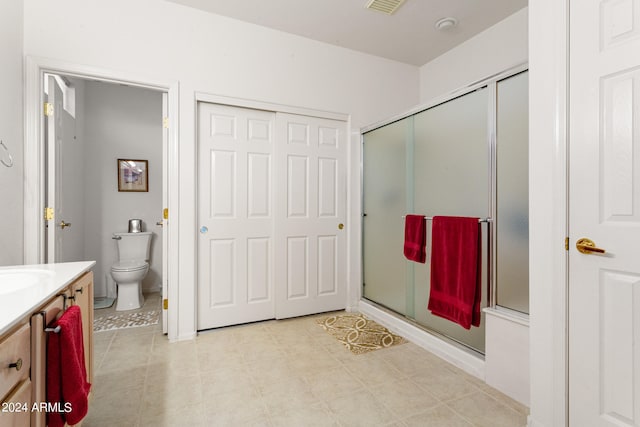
<point>451,172</point>
<point>384,203</point>
<point>432,163</point>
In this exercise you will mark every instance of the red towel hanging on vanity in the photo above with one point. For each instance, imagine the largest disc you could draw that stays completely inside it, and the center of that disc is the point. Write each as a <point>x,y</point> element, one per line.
<point>67,384</point>
<point>456,288</point>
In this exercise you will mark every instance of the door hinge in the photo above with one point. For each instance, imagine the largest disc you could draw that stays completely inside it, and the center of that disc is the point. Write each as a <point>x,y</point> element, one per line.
<point>566,243</point>
<point>165,122</point>
<point>48,214</point>
<point>165,303</point>
<point>48,109</point>
<point>165,213</point>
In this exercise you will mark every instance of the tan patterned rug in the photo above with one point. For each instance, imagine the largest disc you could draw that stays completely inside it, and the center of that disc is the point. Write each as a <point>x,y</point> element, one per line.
<point>125,320</point>
<point>359,334</point>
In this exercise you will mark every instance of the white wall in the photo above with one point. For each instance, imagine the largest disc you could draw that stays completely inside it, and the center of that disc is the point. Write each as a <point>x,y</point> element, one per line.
<point>11,132</point>
<point>213,54</point>
<point>495,49</point>
<point>121,123</point>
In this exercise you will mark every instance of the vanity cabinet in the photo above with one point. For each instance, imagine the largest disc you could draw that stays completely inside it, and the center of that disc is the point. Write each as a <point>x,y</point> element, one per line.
<point>81,294</point>
<point>15,384</point>
<point>23,355</point>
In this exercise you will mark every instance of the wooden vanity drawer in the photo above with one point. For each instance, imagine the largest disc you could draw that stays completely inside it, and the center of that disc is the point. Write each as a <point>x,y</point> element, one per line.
<point>16,409</point>
<point>15,359</point>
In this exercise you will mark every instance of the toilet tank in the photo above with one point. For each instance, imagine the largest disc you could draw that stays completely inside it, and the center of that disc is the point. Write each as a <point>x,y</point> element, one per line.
<point>133,245</point>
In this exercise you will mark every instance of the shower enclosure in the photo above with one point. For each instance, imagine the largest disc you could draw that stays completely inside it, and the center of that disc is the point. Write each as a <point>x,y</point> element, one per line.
<point>466,155</point>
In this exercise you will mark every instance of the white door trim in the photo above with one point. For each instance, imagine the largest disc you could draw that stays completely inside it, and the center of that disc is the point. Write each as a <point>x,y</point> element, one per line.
<point>548,180</point>
<point>34,189</point>
<point>267,106</point>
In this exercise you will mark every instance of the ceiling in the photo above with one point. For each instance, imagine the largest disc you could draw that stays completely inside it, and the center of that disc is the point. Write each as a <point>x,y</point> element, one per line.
<point>408,36</point>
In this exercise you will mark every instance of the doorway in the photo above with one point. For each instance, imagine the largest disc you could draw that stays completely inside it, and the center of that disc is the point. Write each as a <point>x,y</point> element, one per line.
<point>93,127</point>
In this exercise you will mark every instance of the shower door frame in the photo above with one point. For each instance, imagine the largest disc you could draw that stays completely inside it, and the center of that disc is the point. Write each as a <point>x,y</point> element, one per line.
<point>490,83</point>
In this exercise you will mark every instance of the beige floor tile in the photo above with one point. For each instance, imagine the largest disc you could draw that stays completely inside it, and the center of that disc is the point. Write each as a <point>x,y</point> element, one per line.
<point>226,380</point>
<point>115,409</point>
<point>109,383</point>
<point>316,416</point>
<point>334,382</point>
<point>440,416</point>
<point>219,358</point>
<point>286,395</point>
<point>361,409</point>
<point>235,408</point>
<point>282,373</point>
<point>404,398</point>
<point>484,411</point>
<point>372,370</point>
<point>444,384</point>
<point>171,396</point>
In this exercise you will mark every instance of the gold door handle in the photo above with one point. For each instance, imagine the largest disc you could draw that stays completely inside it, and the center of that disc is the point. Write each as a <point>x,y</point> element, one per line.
<point>160,223</point>
<point>64,224</point>
<point>586,246</point>
<point>340,226</point>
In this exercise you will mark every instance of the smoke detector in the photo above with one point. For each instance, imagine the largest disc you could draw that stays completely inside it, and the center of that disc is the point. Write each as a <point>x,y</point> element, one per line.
<point>446,23</point>
<point>385,6</point>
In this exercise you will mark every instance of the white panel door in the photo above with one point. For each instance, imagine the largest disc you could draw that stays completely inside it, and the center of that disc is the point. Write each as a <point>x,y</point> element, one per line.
<point>310,215</point>
<point>235,213</point>
<point>604,288</point>
<point>57,225</point>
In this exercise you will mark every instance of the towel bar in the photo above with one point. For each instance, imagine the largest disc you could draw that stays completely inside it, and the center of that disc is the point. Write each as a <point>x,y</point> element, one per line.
<point>429,218</point>
<point>44,323</point>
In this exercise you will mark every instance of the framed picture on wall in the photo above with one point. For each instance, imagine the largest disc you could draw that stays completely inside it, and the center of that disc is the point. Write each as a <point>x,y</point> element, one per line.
<point>133,175</point>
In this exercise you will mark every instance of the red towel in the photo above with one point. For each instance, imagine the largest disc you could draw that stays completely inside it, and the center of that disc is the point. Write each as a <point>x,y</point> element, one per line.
<point>67,385</point>
<point>415,238</point>
<point>456,287</point>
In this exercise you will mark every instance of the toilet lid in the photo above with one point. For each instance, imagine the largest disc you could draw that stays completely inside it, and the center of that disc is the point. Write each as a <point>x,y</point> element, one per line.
<point>129,265</point>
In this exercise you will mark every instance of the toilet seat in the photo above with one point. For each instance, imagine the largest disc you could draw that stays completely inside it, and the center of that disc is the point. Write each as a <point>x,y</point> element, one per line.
<point>129,265</point>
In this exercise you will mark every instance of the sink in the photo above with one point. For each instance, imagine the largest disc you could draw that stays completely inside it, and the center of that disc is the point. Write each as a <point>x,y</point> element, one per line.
<point>14,280</point>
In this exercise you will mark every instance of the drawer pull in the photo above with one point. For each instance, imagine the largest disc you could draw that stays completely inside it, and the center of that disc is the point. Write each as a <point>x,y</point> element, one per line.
<point>17,365</point>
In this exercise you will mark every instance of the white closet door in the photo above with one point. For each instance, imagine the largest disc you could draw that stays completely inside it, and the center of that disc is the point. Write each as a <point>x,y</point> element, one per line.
<point>235,214</point>
<point>310,215</point>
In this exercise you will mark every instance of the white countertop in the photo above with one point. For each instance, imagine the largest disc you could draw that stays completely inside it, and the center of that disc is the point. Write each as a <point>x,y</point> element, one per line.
<point>24,288</point>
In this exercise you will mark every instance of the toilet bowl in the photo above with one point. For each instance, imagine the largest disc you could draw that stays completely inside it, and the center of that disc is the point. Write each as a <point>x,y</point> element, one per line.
<point>131,268</point>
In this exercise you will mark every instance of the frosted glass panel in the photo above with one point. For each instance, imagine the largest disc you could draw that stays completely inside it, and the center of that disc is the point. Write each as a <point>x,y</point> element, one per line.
<point>437,162</point>
<point>512,210</point>
<point>451,170</point>
<point>385,199</point>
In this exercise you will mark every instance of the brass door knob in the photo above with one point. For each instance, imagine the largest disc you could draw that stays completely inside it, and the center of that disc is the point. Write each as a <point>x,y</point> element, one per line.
<point>64,224</point>
<point>587,246</point>
<point>340,226</point>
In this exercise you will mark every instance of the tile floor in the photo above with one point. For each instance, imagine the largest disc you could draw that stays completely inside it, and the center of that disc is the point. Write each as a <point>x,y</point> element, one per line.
<point>282,373</point>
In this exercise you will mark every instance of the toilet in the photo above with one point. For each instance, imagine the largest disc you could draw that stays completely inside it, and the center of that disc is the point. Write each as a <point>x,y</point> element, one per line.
<point>131,268</point>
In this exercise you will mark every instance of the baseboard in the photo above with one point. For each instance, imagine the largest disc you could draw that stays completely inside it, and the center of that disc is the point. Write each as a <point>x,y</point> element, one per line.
<point>468,361</point>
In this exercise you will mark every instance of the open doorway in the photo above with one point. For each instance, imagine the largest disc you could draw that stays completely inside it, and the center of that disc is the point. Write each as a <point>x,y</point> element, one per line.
<point>95,127</point>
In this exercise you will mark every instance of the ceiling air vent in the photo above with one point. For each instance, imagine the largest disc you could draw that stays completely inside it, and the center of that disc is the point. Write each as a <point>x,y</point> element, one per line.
<point>385,6</point>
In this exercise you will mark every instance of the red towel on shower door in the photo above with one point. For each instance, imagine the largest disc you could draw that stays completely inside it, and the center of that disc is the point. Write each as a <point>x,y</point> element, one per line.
<point>67,384</point>
<point>415,238</point>
<point>456,287</point>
